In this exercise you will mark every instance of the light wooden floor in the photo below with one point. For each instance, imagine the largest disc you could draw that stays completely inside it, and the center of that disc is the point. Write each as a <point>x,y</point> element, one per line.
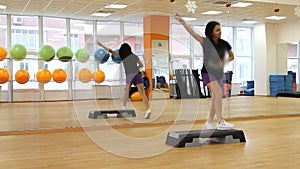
<point>271,143</point>
<point>60,135</point>
<point>49,115</point>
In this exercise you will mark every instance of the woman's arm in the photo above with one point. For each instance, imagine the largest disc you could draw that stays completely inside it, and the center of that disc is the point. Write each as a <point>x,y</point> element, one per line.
<point>230,58</point>
<point>107,49</point>
<point>140,64</point>
<point>189,29</point>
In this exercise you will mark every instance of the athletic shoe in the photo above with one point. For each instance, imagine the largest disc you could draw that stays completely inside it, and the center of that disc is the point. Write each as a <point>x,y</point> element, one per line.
<point>124,108</point>
<point>223,125</point>
<point>148,114</point>
<point>209,125</point>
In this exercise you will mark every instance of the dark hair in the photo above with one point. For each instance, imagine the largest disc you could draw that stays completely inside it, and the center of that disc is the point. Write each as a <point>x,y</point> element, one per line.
<point>210,26</point>
<point>124,51</point>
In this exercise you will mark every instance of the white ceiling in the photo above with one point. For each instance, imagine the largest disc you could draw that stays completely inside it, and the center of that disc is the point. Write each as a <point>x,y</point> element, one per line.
<point>137,9</point>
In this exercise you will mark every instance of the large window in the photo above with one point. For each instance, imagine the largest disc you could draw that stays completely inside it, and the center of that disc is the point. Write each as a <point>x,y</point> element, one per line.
<point>293,58</point>
<point>3,29</point>
<point>243,55</point>
<point>109,34</point>
<point>184,56</point>
<point>82,37</point>
<point>25,31</point>
<point>180,47</point>
<point>55,31</point>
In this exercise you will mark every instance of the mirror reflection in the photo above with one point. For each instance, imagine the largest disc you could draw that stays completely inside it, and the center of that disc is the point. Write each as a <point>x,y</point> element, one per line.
<point>265,52</point>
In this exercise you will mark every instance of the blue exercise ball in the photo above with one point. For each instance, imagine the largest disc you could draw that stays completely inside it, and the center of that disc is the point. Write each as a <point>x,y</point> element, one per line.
<point>101,55</point>
<point>114,58</point>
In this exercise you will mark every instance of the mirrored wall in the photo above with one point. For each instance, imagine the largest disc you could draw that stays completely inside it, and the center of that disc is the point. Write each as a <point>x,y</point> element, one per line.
<point>260,50</point>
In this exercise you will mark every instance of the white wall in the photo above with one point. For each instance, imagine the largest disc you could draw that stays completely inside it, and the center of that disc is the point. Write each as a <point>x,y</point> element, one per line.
<point>289,32</point>
<point>270,52</point>
<point>260,60</point>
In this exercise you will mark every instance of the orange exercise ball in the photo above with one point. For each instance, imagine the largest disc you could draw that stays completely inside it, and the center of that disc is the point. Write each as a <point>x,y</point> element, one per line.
<point>59,75</point>
<point>136,96</point>
<point>22,76</point>
<point>99,76</point>
<point>85,75</point>
<point>4,76</point>
<point>43,76</point>
<point>3,53</point>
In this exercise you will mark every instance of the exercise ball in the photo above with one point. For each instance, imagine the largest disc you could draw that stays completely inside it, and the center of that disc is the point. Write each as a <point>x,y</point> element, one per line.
<point>3,53</point>
<point>46,53</point>
<point>99,76</point>
<point>101,55</point>
<point>64,54</point>
<point>4,76</point>
<point>43,76</point>
<point>18,52</point>
<point>82,55</point>
<point>136,96</point>
<point>85,75</point>
<point>59,75</point>
<point>22,76</point>
<point>115,58</point>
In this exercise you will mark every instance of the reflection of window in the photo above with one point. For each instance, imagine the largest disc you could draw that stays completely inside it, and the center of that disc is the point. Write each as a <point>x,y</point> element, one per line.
<point>293,58</point>
<point>243,41</point>
<point>74,41</point>
<point>24,65</point>
<point>29,38</point>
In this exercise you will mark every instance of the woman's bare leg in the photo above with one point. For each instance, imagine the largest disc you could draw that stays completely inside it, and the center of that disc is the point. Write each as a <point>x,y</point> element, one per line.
<point>216,101</point>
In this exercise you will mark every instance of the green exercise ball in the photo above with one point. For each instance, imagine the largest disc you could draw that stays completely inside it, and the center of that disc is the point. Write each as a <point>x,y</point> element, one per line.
<point>18,52</point>
<point>46,53</point>
<point>82,55</point>
<point>64,54</point>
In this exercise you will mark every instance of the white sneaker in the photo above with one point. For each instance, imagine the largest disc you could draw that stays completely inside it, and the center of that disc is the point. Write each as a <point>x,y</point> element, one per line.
<point>209,125</point>
<point>124,108</point>
<point>223,125</point>
<point>148,114</point>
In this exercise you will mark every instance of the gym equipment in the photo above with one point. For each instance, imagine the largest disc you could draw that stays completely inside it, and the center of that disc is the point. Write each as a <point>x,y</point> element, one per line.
<point>114,58</point>
<point>136,96</point>
<point>288,94</point>
<point>99,114</point>
<point>250,88</point>
<point>98,76</point>
<point>82,55</point>
<point>85,75</point>
<point>4,76</point>
<point>59,75</point>
<point>22,76</point>
<point>192,138</point>
<point>101,55</point>
<point>64,54</point>
<point>46,53</point>
<point>18,52</point>
<point>188,84</point>
<point>280,84</point>
<point>3,53</point>
<point>43,76</point>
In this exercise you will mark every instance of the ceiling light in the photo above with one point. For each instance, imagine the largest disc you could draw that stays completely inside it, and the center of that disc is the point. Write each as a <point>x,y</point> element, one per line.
<point>116,6</point>
<point>189,19</point>
<point>211,12</point>
<point>249,22</point>
<point>241,4</point>
<point>2,7</point>
<point>102,14</point>
<point>277,18</point>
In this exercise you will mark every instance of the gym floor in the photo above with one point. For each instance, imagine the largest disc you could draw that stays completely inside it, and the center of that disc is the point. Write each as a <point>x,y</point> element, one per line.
<point>60,135</point>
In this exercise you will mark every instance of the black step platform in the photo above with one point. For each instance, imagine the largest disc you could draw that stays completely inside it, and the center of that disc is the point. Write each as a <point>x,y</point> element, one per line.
<point>100,114</point>
<point>193,138</point>
<point>288,94</point>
